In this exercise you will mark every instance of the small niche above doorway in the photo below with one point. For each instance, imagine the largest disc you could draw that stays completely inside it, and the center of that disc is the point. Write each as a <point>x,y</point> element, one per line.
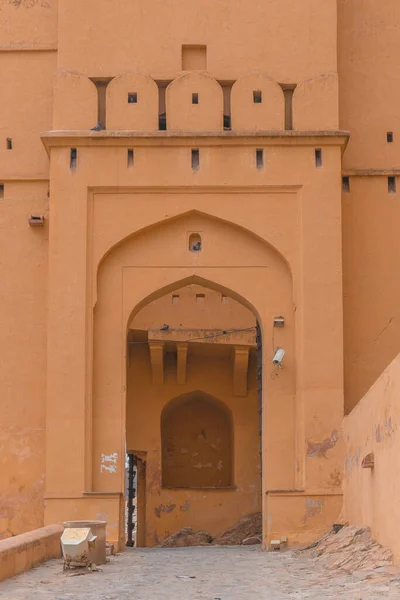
<point>195,242</point>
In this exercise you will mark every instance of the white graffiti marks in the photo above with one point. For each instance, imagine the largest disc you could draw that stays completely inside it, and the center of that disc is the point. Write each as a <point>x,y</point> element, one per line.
<point>109,462</point>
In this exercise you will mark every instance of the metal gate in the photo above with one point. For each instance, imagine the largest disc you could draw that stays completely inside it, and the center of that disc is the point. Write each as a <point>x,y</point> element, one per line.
<point>259,387</point>
<point>132,474</point>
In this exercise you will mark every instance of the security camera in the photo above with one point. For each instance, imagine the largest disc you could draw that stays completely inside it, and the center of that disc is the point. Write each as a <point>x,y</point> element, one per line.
<point>278,356</point>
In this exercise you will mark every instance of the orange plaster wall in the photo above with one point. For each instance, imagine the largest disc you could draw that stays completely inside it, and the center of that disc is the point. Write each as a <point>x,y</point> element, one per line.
<point>23,251</point>
<point>29,24</point>
<point>290,41</point>
<point>369,95</point>
<point>26,95</point>
<point>371,495</point>
<point>371,300</point>
<point>167,510</point>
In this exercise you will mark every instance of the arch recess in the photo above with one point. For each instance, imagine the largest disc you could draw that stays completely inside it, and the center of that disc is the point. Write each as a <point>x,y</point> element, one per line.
<point>196,442</point>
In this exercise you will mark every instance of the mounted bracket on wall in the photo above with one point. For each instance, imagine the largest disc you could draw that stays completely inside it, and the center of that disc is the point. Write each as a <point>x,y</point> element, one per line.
<point>368,462</point>
<point>36,220</point>
<point>279,322</point>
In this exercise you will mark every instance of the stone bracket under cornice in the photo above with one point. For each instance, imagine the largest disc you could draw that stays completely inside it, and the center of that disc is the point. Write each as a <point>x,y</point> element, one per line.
<point>240,369</point>
<point>157,362</point>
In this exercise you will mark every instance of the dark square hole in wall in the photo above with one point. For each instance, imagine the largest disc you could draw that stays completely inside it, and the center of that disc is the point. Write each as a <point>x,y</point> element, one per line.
<point>346,184</point>
<point>132,98</point>
<point>318,157</point>
<point>195,98</point>
<point>1,190</point>
<point>131,158</point>
<point>195,158</point>
<point>389,137</point>
<point>9,144</point>
<point>73,158</point>
<point>257,97</point>
<point>260,159</point>
<point>392,185</point>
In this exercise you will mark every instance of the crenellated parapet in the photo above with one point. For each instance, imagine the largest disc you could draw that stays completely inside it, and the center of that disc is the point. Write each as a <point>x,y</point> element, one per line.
<point>195,101</point>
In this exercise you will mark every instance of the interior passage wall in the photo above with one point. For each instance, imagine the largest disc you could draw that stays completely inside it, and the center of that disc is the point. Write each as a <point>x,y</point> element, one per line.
<point>23,276</point>
<point>291,41</point>
<point>371,495</point>
<point>169,509</point>
<point>371,247</point>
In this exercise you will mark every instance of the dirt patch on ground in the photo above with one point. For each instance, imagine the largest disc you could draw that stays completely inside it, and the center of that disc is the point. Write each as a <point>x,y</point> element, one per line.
<point>187,537</point>
<point>247,527</point>
<point>349,549</point>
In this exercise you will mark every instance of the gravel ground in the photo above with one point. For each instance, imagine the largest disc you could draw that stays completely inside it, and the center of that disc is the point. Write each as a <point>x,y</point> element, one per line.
<point>217,573</point>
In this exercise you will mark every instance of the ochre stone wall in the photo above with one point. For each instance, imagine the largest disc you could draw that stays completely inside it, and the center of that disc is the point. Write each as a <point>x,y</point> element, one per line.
<point>371,494</point>
<point>62,368</point>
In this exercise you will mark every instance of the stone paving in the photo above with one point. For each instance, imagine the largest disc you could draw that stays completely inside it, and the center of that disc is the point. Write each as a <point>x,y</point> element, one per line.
<point>217,573</point>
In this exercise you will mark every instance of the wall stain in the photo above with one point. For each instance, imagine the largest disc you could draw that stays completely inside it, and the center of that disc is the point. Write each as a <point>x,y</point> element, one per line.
<point>352,461</point>
<point>336,478</point>
<point>185,507</point>
<point>164,508</point>
<point>378,435</point>
<point>313,508</point>
<point>27,3</point>
<point>321,448</point>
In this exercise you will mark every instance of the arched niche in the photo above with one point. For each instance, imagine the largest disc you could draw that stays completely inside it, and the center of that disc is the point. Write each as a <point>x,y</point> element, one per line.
<point>194,102</point>
<point>75,101</point>
<point>316,104</point>
<point>257,103</point>
<point>196,442</point>
<point>132,102</point>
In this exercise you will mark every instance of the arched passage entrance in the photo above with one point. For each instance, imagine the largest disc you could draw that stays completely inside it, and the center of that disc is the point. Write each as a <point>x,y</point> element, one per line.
<point>192,411</point>
<point>233,263</point>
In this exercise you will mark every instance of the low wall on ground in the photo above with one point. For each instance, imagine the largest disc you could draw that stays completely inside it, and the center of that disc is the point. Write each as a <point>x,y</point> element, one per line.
<point>371,492</point>
<point>22,552</point>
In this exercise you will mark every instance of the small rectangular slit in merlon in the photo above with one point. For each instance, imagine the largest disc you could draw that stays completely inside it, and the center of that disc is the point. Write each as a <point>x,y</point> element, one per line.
<point>195,158</point>
<point>131,158</point>
<point>318,157</point>
<point>260,159</point>
<point>346,184</point>
<point>9,143</point>
<point>73,158</point>
<point>392,185</point>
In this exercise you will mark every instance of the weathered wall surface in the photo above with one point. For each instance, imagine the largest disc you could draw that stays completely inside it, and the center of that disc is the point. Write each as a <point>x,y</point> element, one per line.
<point>24,551</point>
<point>371,495</point>
<point>27,61</point>
<point>23,273</point>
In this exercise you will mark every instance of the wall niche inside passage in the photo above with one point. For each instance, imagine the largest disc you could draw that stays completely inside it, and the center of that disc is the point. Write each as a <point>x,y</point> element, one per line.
<point>197,445</point>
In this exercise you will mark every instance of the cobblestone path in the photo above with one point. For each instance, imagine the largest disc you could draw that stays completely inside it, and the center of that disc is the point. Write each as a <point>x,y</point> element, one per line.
<point>218,573</point>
